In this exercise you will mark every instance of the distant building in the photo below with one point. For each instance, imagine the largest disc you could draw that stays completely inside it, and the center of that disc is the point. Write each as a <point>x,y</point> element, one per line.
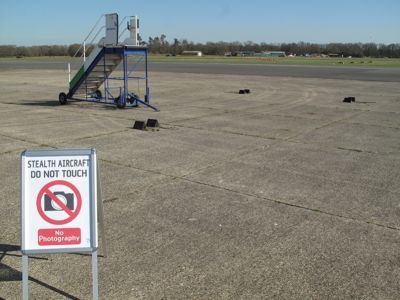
<point>246,53</point>
<point>192,53</point>
<point>271,54</point>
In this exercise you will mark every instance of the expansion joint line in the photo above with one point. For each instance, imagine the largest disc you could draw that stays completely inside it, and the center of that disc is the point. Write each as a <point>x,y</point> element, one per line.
<point>280,202</point>
<point>227,131</point>
<point>316,210</point>
<point>22,140</point>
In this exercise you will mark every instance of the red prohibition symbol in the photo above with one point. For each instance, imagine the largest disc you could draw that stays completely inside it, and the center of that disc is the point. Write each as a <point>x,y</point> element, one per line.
<point>71,215</point>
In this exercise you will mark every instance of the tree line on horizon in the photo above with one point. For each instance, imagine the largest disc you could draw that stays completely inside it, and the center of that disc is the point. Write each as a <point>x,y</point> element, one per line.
<point>160,45</point>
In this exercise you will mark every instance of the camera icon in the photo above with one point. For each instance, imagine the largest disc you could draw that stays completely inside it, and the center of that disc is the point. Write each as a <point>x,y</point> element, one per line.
<point>66,198</point>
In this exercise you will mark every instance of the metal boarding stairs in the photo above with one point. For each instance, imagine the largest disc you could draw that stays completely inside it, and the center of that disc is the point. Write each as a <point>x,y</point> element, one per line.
<point>96,77</point>
<point>92,80</point>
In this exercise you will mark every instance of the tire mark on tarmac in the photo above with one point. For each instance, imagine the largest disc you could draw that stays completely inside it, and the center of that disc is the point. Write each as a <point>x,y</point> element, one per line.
<point>308,95</point>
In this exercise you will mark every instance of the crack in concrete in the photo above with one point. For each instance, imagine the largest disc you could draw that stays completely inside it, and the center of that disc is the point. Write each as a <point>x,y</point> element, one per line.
<point>99,135</point>
<point>25,141</point>
<point>41,145</point>
<point>375,125</point>
<point>353,150</point>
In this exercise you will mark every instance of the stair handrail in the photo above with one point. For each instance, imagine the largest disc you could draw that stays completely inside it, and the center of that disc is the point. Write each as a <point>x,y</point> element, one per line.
<point>125,29</point>
<point>83,44</point>
<point>123,19</point>
<point>94,38</point>
<point>121,34</point>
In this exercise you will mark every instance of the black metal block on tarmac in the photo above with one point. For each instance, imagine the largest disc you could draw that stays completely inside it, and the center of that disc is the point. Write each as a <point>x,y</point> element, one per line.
<point>139,125</point>
<point>244,91</point>
<point>152,123</point>
<point>349,99</point>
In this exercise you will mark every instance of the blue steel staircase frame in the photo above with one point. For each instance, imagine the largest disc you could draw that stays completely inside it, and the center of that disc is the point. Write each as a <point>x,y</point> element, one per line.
<point>93,84</point>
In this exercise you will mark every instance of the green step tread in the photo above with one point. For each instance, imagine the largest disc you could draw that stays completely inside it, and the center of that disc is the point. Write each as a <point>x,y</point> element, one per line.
<point>76,78</point>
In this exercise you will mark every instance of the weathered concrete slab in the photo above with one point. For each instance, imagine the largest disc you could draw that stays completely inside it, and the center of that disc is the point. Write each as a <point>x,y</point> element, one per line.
<point>175,151</point>
<point>357,137</point>
<point>9,188</point>
<point>382,119</point>
<point>185,240</point>
<point>285,193</point>
<point>8,144</point>
<point>62,129</point>
<point>358,185</point>
<point>266,126</point>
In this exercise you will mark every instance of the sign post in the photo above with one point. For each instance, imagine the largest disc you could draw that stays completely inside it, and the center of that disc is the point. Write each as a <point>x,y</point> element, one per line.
<point>59,194</point>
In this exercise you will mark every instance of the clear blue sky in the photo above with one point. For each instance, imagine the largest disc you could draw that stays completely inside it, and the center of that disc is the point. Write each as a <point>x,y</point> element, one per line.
<point>38,22</point>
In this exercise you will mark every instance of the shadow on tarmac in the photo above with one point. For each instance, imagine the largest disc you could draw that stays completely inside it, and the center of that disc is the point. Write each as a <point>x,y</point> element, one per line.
<point>36,103</point>
<point>41,103</point>
<point>8,273</point>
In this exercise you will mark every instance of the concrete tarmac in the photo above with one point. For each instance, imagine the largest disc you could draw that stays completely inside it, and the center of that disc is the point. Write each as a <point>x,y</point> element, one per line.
<point>326,72</point>
<point>283,193</point>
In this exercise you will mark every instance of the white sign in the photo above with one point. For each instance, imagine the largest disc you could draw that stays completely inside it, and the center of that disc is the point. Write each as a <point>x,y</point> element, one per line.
<point>58,201</point>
